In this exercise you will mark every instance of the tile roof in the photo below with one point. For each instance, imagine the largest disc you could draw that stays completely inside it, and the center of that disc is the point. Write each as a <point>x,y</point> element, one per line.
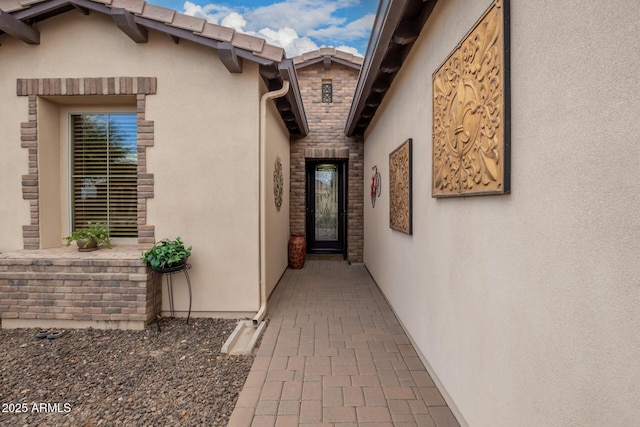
<point>200,27</point>
<point>136,17</point>
<point>396,27</point>
<point>328,53</point>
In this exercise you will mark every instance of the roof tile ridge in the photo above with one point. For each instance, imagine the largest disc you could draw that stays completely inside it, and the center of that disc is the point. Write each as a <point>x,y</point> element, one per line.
<point>17,5</point>
<point>327,51</point>
<point>134,6</point>
<point>201,27</point>
<point>29,2</point>
<point>158,13</point>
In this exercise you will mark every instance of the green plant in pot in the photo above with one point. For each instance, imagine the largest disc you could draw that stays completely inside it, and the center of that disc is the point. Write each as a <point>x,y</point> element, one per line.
<point>89,238</point>
<point>168,255</point>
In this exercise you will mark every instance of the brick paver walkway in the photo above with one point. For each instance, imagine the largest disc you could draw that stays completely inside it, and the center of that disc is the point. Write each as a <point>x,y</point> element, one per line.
<point>335,354</point>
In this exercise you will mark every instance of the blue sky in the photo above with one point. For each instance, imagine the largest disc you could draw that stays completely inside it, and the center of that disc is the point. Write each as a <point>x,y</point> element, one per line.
<point>296,25</point>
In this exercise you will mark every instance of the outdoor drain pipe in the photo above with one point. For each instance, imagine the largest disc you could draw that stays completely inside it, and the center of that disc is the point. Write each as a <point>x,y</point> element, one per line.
<point>261,207</point>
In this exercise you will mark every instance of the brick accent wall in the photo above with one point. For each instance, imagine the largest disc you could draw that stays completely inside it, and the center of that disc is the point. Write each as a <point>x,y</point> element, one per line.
<point>32,88</point>
<point>43,285</point>
<point>326,140</point>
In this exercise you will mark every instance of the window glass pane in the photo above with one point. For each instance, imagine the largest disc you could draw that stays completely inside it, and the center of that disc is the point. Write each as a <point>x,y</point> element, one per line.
<point>104,172</point>
<point>326,190</point>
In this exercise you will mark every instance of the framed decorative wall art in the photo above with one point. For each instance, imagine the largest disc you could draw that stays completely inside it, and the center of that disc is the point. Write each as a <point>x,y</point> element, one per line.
<point>376,185</point>
<point>400,188</point>
<point>471,117</point>
<point>278,183</point>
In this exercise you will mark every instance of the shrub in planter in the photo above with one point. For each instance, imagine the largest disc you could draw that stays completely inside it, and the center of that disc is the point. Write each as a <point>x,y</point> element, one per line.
<point>89,238</point>
<point>167,255</point>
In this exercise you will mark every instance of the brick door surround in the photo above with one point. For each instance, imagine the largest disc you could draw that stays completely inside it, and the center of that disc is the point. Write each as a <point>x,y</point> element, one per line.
<point>327,141</point>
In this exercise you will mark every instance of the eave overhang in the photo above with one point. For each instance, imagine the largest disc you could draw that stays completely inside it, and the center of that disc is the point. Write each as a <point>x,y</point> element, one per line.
<point>135,18</point>
<point>396,27</point>
<point>290,106</point>
<point>11,25</point>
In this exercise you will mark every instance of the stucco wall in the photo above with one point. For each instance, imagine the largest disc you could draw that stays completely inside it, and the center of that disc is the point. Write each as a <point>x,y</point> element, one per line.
<point>277,222</point>
<point>13,163</point>
<point>205,153</point>
<point>525,306</point>
<point>50,166</point>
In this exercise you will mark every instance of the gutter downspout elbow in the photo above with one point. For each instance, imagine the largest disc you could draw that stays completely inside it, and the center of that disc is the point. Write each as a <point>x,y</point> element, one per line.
<point>261,206</point>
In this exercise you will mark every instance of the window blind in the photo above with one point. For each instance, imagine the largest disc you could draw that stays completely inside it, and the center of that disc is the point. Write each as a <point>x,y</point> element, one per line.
<point>104,172</point>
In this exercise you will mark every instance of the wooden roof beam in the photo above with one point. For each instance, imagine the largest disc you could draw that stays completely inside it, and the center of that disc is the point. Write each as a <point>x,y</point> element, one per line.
<point>269,72</point>
<point>229,57</point>
<point>391,63</point>
<point>127,24</point>
<point>82,10</point>
<point>282,104</point>
<point>406,33</point>
<point>327,62</point>
<point>35,10</point>
<point>299,127</point>
<point>18,29</point>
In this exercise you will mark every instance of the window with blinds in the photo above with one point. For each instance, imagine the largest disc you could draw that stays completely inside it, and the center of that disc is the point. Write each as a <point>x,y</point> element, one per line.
<point>104,172</point>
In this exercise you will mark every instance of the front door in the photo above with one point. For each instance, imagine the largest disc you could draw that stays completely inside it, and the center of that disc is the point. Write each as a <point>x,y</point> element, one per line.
<point>326,214</point>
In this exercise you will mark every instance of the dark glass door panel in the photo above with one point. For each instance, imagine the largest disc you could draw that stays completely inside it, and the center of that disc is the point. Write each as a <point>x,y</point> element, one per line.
<point>325,207</point>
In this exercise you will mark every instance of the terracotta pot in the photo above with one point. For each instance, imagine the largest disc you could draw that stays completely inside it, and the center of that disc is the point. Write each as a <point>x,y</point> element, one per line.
<point>297,250</point>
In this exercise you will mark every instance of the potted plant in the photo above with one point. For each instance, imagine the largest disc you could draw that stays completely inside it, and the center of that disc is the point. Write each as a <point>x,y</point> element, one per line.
<point>89,238</point>
<point>166,256</point>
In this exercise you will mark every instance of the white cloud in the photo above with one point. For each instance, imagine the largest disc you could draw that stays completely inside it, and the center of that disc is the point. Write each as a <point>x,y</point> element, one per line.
<point>211,12</point>
<point>301,15</point>
<point>234,20</point>
<point>288,39</point>
<point>284,36</point>
<point>295,25</point>
<point>353,30</point>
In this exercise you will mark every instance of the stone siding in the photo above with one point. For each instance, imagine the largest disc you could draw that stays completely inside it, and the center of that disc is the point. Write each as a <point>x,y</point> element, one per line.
<point>326,140</point>
<point>63,287</point>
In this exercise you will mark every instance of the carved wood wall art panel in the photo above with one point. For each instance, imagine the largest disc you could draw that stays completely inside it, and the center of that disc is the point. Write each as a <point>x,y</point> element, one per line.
<point>400,188</point>
<point>471,146</point>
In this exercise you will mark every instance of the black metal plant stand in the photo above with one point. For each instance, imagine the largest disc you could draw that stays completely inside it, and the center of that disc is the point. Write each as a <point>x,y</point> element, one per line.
<point>168,273</point>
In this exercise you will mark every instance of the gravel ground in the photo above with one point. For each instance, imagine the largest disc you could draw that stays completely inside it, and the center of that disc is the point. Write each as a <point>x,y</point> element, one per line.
<point>176,377</point>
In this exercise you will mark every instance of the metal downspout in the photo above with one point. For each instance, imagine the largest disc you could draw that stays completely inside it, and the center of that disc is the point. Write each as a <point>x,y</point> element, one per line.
<point>261,207</point>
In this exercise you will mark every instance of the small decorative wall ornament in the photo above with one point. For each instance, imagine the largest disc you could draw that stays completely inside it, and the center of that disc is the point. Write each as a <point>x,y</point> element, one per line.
<point>278,184</point>
<point>376,185</point>
<point>400,188</point>
<point>471,123</point>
